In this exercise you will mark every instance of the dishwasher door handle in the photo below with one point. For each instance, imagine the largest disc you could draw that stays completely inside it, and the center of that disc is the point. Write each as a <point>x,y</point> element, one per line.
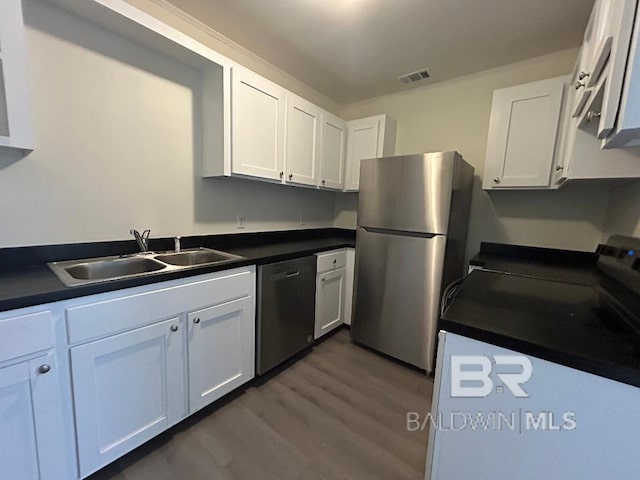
<point>283,275</point>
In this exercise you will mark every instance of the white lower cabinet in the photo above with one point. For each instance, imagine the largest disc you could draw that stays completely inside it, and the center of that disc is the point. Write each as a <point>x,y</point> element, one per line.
<point>32,443</point>
<point>127,389</point>
<point>330,291</point>
<point>330,299</point>
<point>221,350</point>
<point>144,359</point>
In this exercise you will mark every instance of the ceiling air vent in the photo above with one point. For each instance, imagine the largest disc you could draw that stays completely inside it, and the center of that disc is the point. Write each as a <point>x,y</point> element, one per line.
<point>416,76</point>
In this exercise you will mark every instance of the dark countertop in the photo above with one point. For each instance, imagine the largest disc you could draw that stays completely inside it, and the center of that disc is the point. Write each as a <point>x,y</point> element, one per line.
<point>561,265</point>
<point>560,308</point>
<point>26,280</point>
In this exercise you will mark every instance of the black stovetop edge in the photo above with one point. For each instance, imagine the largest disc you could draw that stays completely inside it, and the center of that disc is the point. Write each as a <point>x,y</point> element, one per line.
<point>528,253</point>
<point>13,257</point>
<point>613,371</point>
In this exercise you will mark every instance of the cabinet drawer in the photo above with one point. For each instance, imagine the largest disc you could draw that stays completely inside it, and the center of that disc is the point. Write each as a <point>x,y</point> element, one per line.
<point>126,312</point>
<point>332,260</point>
<point>25,334</point>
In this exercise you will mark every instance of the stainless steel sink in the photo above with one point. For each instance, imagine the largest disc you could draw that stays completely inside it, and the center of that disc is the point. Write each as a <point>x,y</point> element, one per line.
<point>119,267</point>
<point>93,270</point>
<point>190,258</point>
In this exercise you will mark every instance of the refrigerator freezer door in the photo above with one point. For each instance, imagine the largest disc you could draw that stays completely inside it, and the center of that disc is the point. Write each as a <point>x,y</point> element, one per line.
<point>398,280</point>
<point>409,193</point>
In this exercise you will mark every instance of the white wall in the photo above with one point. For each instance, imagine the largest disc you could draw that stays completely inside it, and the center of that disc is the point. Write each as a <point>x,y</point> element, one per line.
<point>454,115</point>
<point>623,211</point>
<point>114,126</point>
<point>178,19</point>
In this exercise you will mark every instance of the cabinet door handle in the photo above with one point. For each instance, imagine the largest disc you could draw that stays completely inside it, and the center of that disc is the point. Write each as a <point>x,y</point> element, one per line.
<point>44,368</point>
<point>496,180</point>
<point>290,176</point>
<point>591,115</point>
<point>583,75</point>
<point>559,167</point>
<point>174,328</point>
<point>281,174</point>
<point>196,320</point>
<point>323,182</point>
<point>579,85</point>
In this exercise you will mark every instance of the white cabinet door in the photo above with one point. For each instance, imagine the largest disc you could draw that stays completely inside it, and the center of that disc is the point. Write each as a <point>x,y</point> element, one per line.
<point>303,141</point>
<point>127,389</point>
<point>221,350</point>
<point>620,110</point>
<point>370,137</point>
<point>348,285</point>
<point>257,126</point>
<point>522,134</point>
<point>611,32</point>
<point>364,136</point>
<point>16,135</point>
<point>31,419</point>
<point>334,136</point>
<point>329,301</point>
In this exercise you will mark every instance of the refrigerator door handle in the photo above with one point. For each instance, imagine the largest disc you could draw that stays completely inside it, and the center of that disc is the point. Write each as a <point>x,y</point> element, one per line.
<point>450,292</point>
<point>401,233</point>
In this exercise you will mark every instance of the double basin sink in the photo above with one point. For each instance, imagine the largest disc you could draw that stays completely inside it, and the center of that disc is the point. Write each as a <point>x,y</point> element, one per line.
<point>93,270</point>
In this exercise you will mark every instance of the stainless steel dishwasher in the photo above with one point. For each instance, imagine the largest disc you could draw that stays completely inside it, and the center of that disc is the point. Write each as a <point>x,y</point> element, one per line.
<point>286,310</point>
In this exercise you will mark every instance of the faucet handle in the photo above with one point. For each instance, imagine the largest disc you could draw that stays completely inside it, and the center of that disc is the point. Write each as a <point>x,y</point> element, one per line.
<point>145,238</point>
<point>176,243</point>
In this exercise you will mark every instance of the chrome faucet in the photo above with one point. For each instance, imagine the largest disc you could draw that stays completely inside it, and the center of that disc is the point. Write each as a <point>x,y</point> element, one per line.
<point>143,240</point>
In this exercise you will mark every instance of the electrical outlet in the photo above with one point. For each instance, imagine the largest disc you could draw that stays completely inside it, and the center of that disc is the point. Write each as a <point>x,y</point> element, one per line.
<point>240,222</point>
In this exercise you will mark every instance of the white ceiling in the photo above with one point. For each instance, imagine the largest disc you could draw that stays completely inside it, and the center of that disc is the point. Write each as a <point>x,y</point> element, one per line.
<point>351,50</point>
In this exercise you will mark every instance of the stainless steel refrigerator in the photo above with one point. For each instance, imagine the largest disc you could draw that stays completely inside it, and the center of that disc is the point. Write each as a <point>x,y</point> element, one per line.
<point>413,214</point>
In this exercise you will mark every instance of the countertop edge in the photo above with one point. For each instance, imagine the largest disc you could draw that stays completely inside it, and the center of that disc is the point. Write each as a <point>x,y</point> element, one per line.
<point>31,299</point>
<point>616,372</point>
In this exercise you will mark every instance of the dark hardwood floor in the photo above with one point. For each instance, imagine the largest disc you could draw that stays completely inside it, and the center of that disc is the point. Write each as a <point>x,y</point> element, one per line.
<point>337,413</point>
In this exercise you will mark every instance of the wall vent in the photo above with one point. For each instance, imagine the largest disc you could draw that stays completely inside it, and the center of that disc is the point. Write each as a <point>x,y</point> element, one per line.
<point>416,76</point>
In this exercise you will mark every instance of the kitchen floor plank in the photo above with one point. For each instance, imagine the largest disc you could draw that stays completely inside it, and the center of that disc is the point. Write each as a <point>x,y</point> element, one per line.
<point>338,413</point>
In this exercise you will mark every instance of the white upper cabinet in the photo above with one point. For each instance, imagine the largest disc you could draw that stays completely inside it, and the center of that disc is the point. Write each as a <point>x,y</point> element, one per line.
<point>580,156</point>
<point>626,131</point>
<point>606,81</point>
<point>333,150</point>
<point>303,141</point>
<point>16,131</point>
<point>369,137</point>
<point>522,134</point>
<point>257,126</point>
